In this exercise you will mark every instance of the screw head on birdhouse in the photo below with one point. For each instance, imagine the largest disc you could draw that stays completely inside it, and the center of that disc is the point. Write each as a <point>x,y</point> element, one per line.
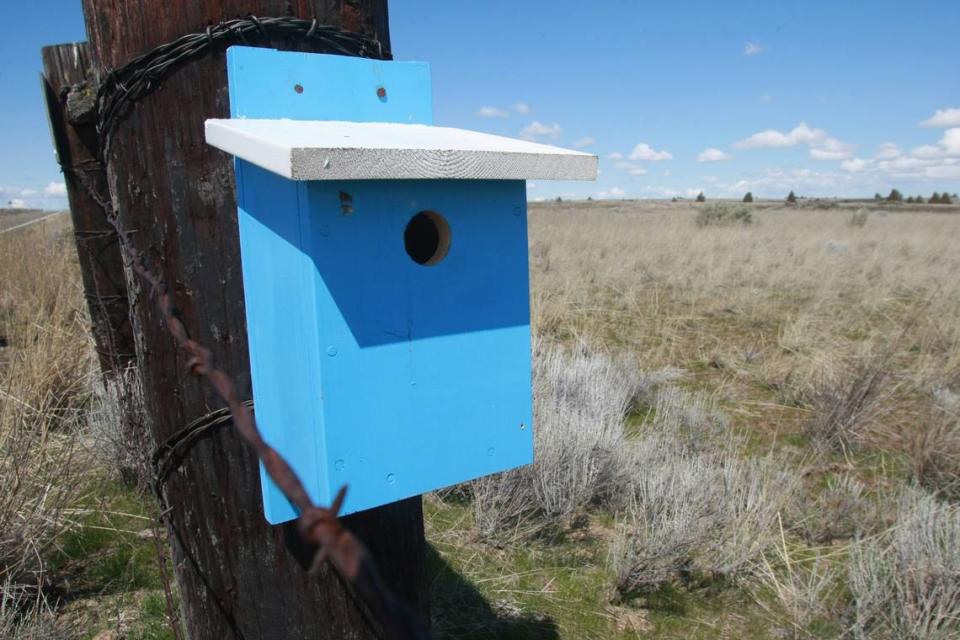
<point>385,277</point>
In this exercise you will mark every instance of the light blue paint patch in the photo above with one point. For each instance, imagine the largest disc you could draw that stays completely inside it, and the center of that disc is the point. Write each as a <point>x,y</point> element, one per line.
<point>371,370</point>
<point>265,83</point>
<point>281,329</point>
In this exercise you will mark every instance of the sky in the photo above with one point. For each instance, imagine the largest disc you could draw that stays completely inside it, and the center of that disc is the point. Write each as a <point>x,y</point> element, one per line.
<point>825,98</point>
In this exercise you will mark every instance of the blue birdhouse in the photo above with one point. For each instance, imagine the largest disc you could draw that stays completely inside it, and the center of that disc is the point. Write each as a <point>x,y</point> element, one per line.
<point>385,276</point>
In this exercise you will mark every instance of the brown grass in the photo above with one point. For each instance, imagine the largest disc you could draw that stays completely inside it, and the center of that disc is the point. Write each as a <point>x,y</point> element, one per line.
<point>809,325</point>
<point>768,315</point>
<point>45,375</point>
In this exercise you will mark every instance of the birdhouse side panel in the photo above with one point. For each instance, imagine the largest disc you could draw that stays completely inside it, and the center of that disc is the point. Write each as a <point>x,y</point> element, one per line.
<point>278,280</point>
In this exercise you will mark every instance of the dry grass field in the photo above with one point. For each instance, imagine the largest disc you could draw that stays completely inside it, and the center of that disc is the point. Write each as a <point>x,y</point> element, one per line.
<point>746,427</point>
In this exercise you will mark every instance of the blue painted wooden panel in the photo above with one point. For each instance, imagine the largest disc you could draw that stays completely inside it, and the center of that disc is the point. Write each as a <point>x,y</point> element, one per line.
<point>426,369</point>
<point>263,85</point>
<point>369,369</point>
<point>278,282</point>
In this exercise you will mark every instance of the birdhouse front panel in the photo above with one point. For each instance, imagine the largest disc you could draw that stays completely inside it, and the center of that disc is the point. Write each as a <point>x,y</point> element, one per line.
<point>385,274</point>
<point>395,354</point>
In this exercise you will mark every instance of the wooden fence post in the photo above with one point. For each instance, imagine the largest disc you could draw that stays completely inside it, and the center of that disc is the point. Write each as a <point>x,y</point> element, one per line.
<point>70,104</point>
<point>237,576</point>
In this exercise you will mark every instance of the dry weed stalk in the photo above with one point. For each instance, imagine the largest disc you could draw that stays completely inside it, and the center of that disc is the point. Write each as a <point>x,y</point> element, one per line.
<point>845,408</point>
<point>933,450</point>
<point>44,384</point>
<point>804,590</point>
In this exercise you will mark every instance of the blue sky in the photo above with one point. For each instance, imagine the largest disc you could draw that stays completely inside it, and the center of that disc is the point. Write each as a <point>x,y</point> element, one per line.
<point>824,98</point>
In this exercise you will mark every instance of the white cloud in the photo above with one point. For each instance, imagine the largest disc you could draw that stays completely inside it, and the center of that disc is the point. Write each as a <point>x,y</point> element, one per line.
<point>888,150</point>
<point>712,154</point>
<point>822,146</point>
<point>831,149</point>
<point>951,142</point>
<point>643,151</point>
<point>778,182</point>
<point>56,189</point>
<point>924,164</point>
<point>943,118</point>
<point>660,192</point>
<point>766,98</point>
<point>491,112</point>
<point>522,108</point>
<point>53,196</point>
<point>947,146</point>
<point>536,129</point>
<point>616,155</point>
<point>632,169</point>
<point>801,134</point>
<point>932,169</point>
<point>585,141</point>
<point>927,151</point>
<point>531,185</point>
<point>943,171</point>
<point>752,49</point>
<point>612,192</point>
<point>854,165</point>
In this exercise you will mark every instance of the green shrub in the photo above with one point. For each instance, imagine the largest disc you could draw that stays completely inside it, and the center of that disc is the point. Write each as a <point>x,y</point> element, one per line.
<point>722,214</point>
<point>792,198</point>
<point>701,197</point>
<point>748,197</point>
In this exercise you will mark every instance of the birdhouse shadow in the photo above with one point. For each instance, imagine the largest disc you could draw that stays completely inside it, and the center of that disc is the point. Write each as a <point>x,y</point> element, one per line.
<point>459,610</point>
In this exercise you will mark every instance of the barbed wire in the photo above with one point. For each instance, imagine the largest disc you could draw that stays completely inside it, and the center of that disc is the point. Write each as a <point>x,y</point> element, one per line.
<point>317,525</point>
<point>125,86</point>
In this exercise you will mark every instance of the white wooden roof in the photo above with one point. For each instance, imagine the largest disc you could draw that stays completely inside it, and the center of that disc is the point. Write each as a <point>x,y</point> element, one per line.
<point>328,150</point>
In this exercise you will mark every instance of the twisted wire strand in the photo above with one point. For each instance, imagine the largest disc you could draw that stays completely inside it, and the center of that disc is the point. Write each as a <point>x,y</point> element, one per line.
<point>123,87</point>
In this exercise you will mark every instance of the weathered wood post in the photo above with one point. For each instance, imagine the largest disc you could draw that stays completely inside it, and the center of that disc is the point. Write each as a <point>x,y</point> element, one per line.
<point>71,108</point>
<point>70,105</point>
<point>238,576</point>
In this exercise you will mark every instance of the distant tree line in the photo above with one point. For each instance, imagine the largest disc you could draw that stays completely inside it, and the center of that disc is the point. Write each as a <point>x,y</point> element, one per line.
<point>936,198</point>
<point>748,197</point>
<point>894,196</point>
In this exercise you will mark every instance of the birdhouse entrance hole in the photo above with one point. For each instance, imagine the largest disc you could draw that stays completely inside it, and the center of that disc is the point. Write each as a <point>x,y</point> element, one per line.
<point>427,238</point>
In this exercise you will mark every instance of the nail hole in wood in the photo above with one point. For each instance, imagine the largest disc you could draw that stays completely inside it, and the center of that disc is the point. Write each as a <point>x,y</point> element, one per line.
<point>346,203</point>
